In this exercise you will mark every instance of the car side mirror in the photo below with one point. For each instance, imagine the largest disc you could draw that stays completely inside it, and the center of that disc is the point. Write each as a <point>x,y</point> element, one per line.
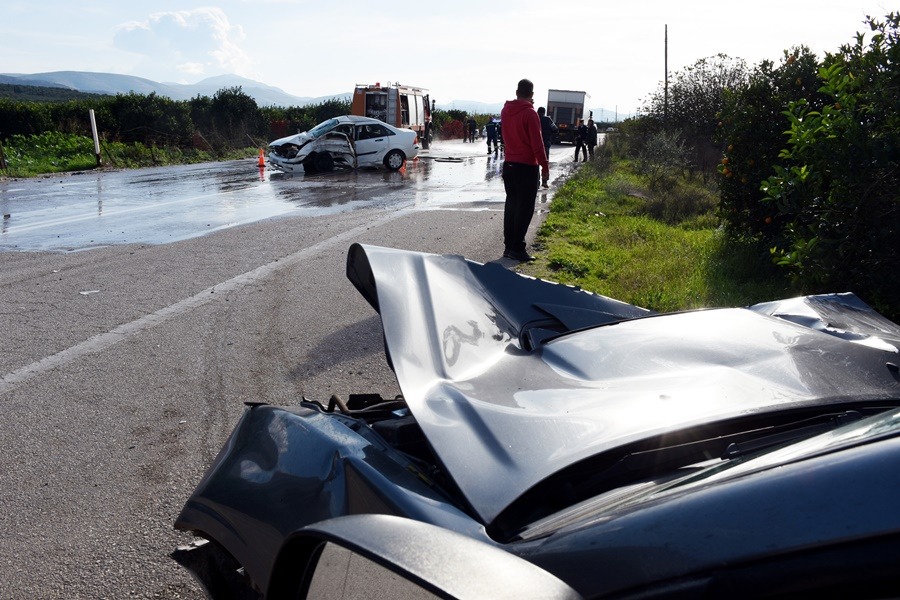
<point>343,556</point>
<point>342,574</point>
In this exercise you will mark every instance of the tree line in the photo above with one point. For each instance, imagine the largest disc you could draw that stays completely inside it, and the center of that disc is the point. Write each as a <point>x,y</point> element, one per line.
<point>229,119</point>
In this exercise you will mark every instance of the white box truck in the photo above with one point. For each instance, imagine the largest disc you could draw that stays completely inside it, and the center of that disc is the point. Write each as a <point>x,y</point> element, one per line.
<point>565,107</point>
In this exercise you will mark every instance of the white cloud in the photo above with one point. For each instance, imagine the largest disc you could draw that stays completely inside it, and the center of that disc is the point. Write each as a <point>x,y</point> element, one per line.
<point>192,42</point>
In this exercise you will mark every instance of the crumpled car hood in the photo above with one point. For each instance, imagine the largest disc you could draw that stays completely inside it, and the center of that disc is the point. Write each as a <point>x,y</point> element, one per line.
<point>297,139</point>
<point>505,401</point>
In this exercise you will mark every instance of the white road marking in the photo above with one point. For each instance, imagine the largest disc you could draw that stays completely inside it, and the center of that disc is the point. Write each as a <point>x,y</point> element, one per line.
<point>102,341</point>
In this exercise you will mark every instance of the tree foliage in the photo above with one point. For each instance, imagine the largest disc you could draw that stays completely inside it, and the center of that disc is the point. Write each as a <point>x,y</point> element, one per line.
<point>751,130</point>
<point>692,101</point>
<point>150,119</point>
<point>23,118</point>
<point>229,119</point>
<point>836,187</point>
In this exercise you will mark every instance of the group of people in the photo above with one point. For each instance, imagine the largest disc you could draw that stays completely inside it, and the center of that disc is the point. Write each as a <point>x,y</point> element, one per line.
<point>492,133</point>
<point>585,139</point>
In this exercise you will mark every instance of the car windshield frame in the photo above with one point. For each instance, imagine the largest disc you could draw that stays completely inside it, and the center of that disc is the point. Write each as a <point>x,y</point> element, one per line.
<point>882,425</point>
<point>323,128</point>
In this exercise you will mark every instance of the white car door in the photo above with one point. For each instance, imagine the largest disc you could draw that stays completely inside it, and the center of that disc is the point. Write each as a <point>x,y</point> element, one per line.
<point>372,141</point>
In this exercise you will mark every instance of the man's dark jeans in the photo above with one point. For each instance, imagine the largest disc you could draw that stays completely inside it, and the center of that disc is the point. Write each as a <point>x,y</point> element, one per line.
<point>521,184</point>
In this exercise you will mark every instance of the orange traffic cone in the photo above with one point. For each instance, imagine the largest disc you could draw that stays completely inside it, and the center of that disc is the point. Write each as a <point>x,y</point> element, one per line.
<point>262,158</point>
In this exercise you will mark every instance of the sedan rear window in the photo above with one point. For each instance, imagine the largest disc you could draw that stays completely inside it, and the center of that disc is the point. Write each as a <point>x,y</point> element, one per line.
<point>367,132</point>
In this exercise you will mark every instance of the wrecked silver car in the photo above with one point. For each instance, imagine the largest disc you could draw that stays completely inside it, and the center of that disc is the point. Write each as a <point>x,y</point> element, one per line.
<point>344,142</point>
<point>576,445</point>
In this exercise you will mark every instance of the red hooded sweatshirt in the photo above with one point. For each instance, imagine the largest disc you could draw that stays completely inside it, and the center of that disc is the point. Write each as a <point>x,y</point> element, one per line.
<point>521,130</point>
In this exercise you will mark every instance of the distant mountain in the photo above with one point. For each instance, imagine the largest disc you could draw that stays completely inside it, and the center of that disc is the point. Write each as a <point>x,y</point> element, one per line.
<point>472,107</point>
<point>27,80</point>
<point>112,83</point>
<point>265,95</point>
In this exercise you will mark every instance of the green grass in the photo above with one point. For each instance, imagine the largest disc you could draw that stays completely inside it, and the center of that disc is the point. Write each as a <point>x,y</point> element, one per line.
<point>608,233</point>
<point>28,156</point>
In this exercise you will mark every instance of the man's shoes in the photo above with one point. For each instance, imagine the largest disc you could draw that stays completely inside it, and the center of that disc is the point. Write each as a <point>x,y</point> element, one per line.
<point>519,255</point>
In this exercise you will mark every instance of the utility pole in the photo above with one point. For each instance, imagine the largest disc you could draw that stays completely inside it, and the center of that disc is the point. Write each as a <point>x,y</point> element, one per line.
<point>666,85</point>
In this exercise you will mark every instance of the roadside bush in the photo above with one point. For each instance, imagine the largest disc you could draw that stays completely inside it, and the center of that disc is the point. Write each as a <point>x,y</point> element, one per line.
<point>50,152</point>
<point>663,158</point>
<point>23,118</point>
<point>149,119</point>
<point>452,130</point>
<point>682,204</point>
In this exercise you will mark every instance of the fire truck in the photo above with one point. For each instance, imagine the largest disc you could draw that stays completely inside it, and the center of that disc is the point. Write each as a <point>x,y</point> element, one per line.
<point>398,105</point>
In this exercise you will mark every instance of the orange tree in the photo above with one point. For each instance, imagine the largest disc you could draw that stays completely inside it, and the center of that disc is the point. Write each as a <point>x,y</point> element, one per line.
<point>836,187</point>
<point>751,129</point>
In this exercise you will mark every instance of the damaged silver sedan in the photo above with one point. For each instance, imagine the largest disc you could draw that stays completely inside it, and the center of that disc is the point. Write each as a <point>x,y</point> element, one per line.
<point>553,443</point>
<point>344,142</point>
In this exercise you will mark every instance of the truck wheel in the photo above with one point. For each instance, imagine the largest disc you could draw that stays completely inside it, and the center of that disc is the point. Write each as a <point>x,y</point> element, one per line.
<point>324,162</point>
<point>394,160</point>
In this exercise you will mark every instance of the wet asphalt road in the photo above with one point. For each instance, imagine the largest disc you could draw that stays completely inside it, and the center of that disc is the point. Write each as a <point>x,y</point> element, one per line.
<point>163,205</point>
<point>140,309</point>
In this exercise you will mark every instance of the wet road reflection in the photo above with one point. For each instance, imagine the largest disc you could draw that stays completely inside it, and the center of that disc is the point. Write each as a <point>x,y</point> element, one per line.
<point>166,204</point>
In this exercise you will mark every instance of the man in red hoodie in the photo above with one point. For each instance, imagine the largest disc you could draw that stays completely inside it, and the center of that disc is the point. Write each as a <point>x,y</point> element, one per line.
<point>525,156</point>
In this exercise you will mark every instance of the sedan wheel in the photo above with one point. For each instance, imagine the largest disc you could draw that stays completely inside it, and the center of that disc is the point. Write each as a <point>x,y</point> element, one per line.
<point>324,162</point>
<point>394,160</point>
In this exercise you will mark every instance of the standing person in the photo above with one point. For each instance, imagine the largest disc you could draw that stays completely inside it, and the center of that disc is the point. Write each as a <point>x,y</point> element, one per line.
<point>472,127</point>
<point>490,132</point>
<point>525,158</point>
<point>591,137</point>
<point>548,130</point>
<point>580,138</point>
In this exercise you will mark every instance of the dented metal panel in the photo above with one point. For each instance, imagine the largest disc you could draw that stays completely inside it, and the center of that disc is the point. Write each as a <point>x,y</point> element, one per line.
<point>503,416</point>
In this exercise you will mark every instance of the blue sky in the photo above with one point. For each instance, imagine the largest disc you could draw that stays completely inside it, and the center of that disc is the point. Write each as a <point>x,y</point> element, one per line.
<point>460,50</point>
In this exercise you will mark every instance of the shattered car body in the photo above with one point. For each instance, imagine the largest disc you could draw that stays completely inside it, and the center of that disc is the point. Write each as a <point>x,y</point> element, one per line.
<point>624,453</point>
<point>344,142</point>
